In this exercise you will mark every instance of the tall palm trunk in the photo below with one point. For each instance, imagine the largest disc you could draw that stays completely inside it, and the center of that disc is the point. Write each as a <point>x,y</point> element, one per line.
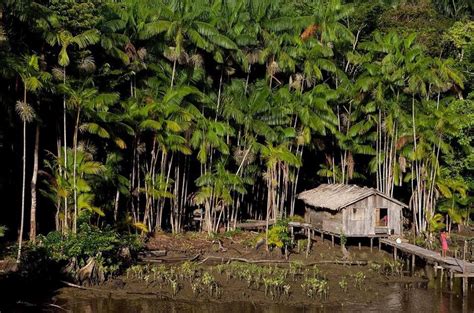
<point>34,179</point>
<point>57,220</point>
<point>116,204</point>
<point>417,202</point>
<point>219,93</point>
<point>22,218</point>
<point>65,152</point>
<point>247,79</point>
<point>173,74</point>
<point>74,170</point>
<point>269,208</point>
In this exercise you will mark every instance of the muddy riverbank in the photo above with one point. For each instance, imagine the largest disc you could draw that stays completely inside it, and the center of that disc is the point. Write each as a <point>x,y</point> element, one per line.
<point>413,298</point>
<point>193,273</point>
<point>228,270</point>
<point>291,284</point>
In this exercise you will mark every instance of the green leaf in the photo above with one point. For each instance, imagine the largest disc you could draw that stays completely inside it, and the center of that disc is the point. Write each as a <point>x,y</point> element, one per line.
<point>140,226</point>
<point>96,129</point>
<point>223,42</point>
<point>63,57</point>
<point>151,125</point>
<point>173,126</point>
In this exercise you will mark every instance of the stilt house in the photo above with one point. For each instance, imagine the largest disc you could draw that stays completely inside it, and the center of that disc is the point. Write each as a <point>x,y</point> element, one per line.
<point>352,210</point>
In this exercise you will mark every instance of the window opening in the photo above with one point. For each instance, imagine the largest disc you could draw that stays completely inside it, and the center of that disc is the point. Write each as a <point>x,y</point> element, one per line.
<point>382,217</point>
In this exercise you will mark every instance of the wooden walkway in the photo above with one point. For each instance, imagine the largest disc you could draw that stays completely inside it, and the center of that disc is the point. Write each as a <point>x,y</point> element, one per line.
<point>432,257</point>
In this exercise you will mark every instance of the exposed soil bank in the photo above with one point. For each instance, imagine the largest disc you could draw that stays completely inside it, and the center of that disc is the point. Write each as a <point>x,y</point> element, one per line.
<point>242,245</point>
<point>242,282</point>
<point>234,289</point>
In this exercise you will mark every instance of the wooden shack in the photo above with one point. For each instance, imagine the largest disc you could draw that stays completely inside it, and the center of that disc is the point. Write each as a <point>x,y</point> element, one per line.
<point>352,210</point>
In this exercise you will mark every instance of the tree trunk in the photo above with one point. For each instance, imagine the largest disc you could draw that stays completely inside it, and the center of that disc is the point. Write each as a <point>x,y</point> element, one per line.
<point>57,219</point>
<point>269,207</point>
<point>172,75</point>
<point>20,236</point>
<point>417,190</point>
<point>247,80</point>
<point>34,179</point>
<point>116,204</point>
<point>74,171</point>
<point>65,152</point>
<point>219,93</point>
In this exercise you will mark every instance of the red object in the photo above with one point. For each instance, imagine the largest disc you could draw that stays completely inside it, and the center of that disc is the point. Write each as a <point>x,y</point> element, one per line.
<point>444,241</point>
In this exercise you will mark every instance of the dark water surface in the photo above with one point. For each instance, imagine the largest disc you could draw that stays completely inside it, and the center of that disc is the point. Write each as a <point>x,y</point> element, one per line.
<point>416,298</point>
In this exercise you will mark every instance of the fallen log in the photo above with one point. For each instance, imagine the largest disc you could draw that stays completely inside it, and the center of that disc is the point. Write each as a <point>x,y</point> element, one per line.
<point>170,259</point>
<point>228,260</point>
<point>340,262</point>
<point>80,287</point>
<point>158,253</point>
<point>110,291</point>
<point>56,307</point>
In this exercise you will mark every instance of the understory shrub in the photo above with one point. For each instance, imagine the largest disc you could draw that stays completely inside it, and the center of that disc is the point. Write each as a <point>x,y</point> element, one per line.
<point>279,235</point>
<point>104,251</point>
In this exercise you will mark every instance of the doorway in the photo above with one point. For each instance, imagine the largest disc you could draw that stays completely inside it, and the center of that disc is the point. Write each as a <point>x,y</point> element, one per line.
<point>381,217</point>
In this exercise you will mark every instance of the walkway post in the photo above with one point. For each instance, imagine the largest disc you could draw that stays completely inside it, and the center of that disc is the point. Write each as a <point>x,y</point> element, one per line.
<point>451,278</point>
<point>309,242</point>
<point>292,234</point>
<point>465,279</point>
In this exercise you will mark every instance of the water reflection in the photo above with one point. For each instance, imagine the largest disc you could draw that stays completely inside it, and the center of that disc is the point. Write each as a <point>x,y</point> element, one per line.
<point>416,298</point>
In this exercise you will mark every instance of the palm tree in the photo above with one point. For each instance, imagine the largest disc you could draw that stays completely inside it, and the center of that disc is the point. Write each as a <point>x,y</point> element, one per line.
<point>326,20</point>
<point>274,157</point>
<point>456,202</point>
<point>130,24</point>
<point>26,114</point>
<point>112,177</point>
<point>84,101</point>
<point>185,22</point>
<point>32,79</point>
<point>313,117</point>
<point>58,187</point>
<point>381,86</point>
<point>168,120</point>
<point>65,39</point>
<point>215,192</point>
<point>454,9</point>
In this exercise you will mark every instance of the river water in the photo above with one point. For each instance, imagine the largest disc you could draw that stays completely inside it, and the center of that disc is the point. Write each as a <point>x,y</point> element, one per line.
<point>413,297</point>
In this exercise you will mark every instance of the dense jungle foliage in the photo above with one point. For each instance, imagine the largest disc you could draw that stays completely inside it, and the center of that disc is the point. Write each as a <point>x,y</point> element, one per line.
<point>149,115</point>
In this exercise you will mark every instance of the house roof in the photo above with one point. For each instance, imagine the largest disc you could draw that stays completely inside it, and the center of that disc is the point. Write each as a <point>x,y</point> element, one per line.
<point>339,196</point>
